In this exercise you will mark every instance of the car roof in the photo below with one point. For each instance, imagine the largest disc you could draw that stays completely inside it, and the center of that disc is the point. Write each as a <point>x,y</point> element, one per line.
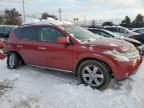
<point>30,25</point>
<point>58,24</point>
<point>114,27</point>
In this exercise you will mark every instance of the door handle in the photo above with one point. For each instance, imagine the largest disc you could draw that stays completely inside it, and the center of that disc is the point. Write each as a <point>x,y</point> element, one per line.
<point>19,46</point>
<point>42,48</point>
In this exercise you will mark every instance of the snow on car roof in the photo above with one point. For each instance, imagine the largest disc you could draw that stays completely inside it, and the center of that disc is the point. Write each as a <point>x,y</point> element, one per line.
<point>47,21</point>
<point>65,23</point>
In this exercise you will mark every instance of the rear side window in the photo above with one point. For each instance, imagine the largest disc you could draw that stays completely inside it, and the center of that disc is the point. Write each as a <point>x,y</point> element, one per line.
<point>121,30</point>
<point>112,29</point>
<point>102,33</point>
<point>49,34</point>
<point>28,33</point>
<point>95,31</point>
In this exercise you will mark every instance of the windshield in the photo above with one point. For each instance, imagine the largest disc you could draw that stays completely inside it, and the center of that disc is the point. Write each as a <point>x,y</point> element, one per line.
<point>80,33</point>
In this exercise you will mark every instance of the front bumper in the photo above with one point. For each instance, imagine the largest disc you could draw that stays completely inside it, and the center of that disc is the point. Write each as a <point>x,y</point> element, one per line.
<point>123,69</point>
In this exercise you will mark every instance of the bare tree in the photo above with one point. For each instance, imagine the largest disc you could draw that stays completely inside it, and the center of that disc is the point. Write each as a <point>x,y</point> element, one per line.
<point>1,19</point>
<point>12,17</point>
<point>46,15</point>
<point>107,23</point>
<point>126,22</point>
<point>139,21</point>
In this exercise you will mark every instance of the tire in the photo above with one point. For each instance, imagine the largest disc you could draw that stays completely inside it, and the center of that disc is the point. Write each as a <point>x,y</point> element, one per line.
<point>13,60</point>
<point>94,74</point>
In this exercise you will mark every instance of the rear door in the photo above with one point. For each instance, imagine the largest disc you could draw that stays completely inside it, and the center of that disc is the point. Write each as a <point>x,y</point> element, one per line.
<point>27,44</point>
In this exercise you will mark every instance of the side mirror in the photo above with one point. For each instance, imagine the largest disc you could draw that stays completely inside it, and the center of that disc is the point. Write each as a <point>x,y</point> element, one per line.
<point>62,40</point>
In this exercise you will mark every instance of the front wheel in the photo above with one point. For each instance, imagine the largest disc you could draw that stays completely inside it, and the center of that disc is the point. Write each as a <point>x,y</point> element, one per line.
<point>13,60</point>
<point>94,74</point>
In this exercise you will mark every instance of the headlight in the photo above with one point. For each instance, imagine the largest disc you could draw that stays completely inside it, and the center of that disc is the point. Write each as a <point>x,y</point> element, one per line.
<point>124,48</point>
<point>118,56</point>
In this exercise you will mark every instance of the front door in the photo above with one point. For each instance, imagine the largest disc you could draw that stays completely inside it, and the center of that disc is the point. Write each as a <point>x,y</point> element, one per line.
<point>51,53</point>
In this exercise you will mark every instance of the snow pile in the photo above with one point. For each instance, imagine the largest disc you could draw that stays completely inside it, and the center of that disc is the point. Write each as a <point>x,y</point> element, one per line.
<point>43,21</point>
<point>41,88</point>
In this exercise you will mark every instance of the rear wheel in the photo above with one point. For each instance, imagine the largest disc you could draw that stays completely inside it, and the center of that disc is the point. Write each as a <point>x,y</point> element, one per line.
<point>13,60</point>
<point>94,74</point>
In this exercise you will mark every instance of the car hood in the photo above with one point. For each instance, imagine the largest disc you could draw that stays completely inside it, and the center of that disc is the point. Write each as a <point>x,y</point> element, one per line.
<point>110,44</point>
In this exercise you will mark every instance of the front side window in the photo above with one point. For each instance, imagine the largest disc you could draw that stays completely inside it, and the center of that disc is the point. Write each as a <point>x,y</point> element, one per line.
<point>49,34</point>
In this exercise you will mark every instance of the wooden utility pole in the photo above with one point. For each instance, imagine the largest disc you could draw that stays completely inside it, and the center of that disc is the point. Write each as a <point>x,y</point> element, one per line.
<point>23,11</point>
<point>60,11</point>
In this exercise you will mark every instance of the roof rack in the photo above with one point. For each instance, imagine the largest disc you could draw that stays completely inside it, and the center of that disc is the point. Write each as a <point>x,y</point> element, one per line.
<point>34,24</point>
<point>25,24</point>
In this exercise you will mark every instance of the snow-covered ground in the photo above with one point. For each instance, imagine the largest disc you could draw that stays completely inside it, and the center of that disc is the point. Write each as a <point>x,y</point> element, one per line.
<point>29,87</point>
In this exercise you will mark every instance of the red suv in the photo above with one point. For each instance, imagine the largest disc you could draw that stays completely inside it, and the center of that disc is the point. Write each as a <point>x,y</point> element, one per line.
<point>67,47</point>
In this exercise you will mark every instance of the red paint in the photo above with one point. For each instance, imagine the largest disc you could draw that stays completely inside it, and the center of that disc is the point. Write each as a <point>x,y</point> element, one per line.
<point>62,56</point>
<point>62,40</point>
<point>2,44</point>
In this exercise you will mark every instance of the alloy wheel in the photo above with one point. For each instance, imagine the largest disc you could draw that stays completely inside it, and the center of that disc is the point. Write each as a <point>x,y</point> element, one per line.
<point>93,75</point>
<point>12,60</point>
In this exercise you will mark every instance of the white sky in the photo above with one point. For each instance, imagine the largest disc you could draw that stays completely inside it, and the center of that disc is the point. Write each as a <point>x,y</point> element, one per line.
<point>91,9</point>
